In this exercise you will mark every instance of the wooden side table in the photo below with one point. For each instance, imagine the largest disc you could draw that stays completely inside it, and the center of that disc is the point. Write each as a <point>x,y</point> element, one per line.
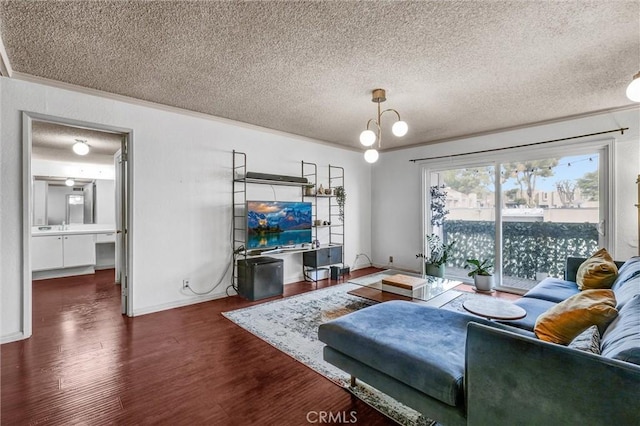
<point>492,308</point>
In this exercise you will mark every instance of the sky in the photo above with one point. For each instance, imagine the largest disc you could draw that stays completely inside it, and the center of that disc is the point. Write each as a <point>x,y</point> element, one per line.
<point>570,168</point>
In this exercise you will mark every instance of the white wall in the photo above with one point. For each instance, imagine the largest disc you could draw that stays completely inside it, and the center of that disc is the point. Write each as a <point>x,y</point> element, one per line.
<point>105,213</point>
<point>40,167</point>
<point>181,189</point>
<point>40,190</point>
<point>396,183</point>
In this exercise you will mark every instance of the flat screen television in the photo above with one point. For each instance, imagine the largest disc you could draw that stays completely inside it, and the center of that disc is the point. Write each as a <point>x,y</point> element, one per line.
<point>278,223</point>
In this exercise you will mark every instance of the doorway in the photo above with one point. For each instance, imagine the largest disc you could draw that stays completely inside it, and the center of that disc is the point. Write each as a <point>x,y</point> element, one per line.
<point>95,198</point>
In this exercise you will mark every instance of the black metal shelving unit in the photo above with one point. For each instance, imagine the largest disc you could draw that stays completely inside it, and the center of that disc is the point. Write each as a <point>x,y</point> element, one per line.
<point>239,203</point>
<point>328,205</point>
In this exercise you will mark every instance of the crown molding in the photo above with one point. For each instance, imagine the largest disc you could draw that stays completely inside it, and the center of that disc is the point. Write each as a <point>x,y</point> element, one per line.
<point>519,127</point>
<point>167,108</point>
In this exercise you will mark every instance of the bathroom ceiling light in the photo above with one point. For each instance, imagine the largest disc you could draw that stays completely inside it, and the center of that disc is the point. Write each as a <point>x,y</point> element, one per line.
<point>81,147</point>
<point>369,137</point>
<point>69,182</point>
<point>633,89</point>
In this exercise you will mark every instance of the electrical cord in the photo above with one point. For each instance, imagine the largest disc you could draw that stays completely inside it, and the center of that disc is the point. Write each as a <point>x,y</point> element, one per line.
<point>230,264</point>
<point>232,285</point>
<point>226,270</point>
<point>362,254</point>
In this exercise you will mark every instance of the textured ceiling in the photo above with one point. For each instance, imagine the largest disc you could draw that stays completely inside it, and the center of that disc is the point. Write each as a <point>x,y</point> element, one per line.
<point>451,68</point>
<point>52,141</point>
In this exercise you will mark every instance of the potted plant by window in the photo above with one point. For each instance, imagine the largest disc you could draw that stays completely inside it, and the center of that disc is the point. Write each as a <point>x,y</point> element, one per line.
<point>480,271</point>
<point>439,253</point>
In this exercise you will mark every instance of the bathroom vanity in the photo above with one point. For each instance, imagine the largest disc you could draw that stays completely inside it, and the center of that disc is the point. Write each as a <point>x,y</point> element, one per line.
<point>60,251</point>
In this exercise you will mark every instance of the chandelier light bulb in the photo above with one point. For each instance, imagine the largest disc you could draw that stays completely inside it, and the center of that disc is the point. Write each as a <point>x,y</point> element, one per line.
<point>69,182</point>
<point>633,90</point>
<point>80,147</point>
<point>400,128</point>
<point>367,137</point>
<point>371,155</point>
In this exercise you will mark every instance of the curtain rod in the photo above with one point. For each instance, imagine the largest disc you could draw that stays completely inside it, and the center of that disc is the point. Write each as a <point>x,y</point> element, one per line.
<point>621,130</point>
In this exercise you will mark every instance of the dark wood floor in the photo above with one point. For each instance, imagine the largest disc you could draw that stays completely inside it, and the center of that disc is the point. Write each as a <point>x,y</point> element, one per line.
<point>88,364</point>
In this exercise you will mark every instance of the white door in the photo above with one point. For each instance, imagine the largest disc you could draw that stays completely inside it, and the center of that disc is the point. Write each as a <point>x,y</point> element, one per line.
<point>117,160</point>
<point>120,161</point>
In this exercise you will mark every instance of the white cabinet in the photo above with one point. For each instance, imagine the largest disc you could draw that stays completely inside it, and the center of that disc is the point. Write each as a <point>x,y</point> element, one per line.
<point>62,251</point>
<point>79,250</point>
<point>46,252</point>
<point>106,238</point>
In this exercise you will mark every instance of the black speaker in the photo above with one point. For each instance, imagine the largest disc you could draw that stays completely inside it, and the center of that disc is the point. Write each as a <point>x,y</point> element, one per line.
<point>335,272</point>
<point>260,277</point>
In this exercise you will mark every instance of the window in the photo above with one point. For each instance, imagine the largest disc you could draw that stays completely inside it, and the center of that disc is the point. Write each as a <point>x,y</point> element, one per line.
<point>526,210</point>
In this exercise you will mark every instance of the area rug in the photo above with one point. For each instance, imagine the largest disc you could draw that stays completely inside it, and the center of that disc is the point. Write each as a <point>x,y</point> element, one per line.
<point>291,325</point>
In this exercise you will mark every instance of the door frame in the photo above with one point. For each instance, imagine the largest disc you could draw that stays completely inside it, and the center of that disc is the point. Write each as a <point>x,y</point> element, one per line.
<point>27,206</point>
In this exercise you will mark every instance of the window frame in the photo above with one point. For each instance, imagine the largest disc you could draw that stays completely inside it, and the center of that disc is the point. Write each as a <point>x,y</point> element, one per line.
<point>604,148</point>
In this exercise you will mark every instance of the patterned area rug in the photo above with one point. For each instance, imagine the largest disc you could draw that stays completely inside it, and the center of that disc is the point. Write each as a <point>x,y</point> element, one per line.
<point>291,325</point>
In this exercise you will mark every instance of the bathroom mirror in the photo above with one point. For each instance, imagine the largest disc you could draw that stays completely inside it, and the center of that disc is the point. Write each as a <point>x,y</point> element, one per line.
<point>54,202</point>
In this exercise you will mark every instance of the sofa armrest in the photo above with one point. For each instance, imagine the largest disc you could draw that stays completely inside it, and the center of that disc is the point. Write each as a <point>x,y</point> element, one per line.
<point>571,267</point>
<point>515,379</point>
<point>573,263</point>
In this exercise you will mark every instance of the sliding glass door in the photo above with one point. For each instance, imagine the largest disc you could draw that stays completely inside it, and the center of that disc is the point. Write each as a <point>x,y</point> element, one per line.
<point>550,210</point>
<point>525,212</point>
<point>462,207</point>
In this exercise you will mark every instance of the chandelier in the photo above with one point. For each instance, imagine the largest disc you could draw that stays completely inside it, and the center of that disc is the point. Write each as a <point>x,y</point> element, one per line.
<point>368,137</point>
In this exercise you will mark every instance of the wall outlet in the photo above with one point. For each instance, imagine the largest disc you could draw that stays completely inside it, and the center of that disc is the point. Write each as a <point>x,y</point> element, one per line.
<point>185,283</point>
<point>390,259</point>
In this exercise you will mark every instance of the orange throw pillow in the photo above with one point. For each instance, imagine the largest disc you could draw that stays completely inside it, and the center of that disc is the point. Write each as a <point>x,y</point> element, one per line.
<point>563,322</point>
<point>599,271</point>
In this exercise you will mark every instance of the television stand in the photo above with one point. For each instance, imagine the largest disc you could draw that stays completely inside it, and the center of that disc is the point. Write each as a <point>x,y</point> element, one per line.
<point>327,216</point>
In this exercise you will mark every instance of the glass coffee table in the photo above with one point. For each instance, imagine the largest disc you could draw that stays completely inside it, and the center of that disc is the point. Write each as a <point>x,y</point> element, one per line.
<point>408,286</point>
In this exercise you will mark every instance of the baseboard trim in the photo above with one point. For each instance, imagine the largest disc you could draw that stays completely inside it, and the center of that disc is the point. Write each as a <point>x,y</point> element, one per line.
<point>65,272</point>
<point>102,267</point>
<point>12,337</point>
<point>177,304</point>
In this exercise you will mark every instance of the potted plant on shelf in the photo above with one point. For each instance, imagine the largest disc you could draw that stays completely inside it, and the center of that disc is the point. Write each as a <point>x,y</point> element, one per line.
<point>439,253</point>
<point>341,197</point>
<point>480,271</point>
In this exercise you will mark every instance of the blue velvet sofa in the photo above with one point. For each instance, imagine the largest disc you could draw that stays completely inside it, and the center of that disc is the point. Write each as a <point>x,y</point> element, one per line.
<point>459,369</point>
